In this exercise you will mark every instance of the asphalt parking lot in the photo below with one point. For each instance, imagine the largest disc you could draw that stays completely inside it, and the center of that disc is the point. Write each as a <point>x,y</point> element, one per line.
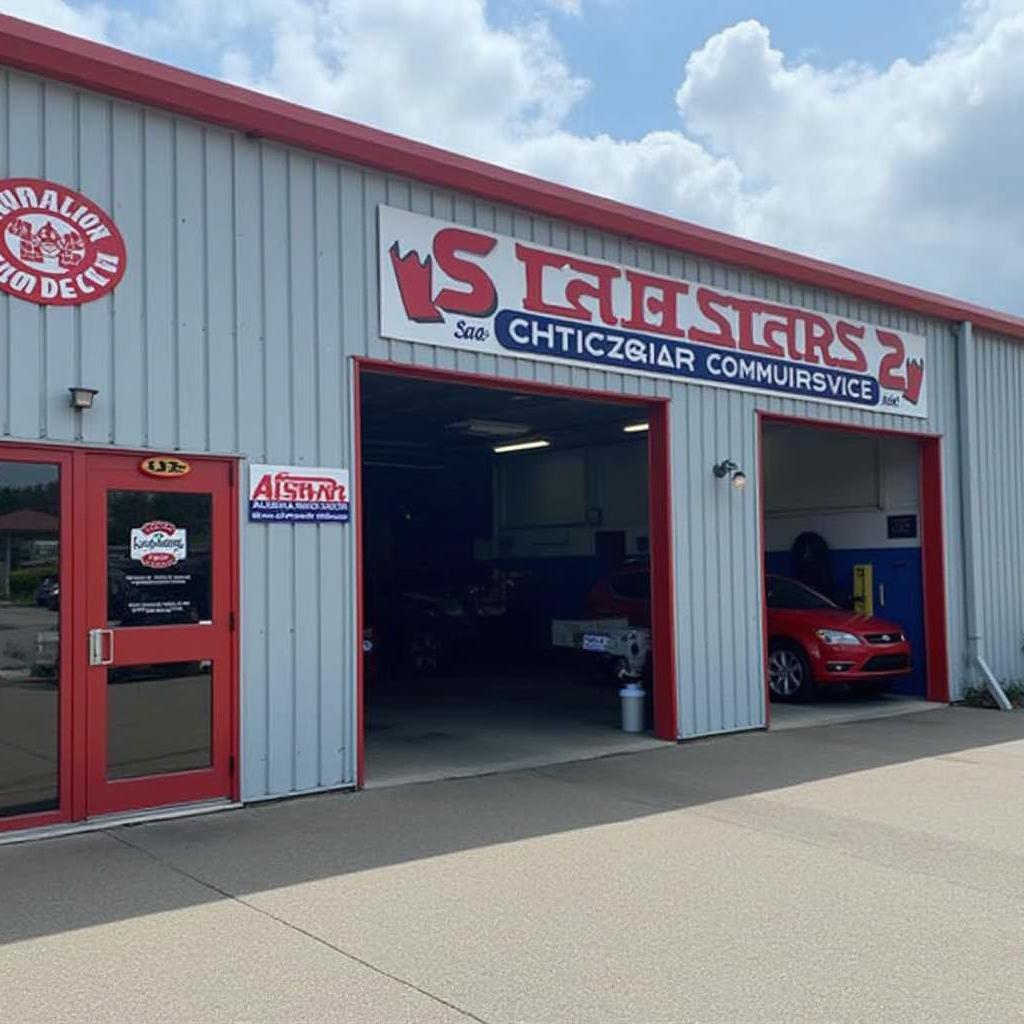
<point>865,871</point>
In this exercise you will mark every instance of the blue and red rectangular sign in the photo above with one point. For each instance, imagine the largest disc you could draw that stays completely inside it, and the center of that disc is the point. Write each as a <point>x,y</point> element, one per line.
<point>298,494</point>
<point>444,284</point>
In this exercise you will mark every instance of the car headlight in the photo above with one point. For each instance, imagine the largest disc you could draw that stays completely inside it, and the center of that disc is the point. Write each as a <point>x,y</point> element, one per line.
<point>837,637</point>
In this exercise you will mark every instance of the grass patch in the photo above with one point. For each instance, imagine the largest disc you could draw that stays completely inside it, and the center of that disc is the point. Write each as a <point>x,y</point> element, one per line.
<point>979,697</point>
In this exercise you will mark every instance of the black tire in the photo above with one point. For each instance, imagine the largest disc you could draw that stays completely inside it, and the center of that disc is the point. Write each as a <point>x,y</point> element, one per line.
<point>869,690</point>
<point>789,672</point>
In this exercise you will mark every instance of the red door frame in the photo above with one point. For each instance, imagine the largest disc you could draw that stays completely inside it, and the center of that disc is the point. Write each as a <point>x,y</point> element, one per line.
<point>72,742</point>
<point>933,562</point>
<point>660,513</point>
<point>107,471</point>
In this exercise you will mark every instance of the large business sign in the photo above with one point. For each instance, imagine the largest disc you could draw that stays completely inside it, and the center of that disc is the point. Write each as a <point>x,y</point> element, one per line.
<point>57,247</point>
<point>476,290</point>
<point>298,494</point>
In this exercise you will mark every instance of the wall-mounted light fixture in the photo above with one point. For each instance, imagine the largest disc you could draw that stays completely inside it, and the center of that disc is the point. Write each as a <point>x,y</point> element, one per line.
<point>81,398</point>
<point>728,468</point>
<point>521,446</point>
<point>635,428</point>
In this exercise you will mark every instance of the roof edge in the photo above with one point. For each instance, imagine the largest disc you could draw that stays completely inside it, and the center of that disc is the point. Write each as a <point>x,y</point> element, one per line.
<point>104,69</point>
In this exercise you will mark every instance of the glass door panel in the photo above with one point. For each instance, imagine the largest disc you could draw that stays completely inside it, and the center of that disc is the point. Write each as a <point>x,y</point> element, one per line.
<point>30,669</point>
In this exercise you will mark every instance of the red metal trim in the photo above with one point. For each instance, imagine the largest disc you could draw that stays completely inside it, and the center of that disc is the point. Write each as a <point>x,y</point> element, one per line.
<point>933,557</point>
<point>79,616</point>
<point>357,510</point>
<point>666,722</point>
<point>761,562</point>
<point>849,428</point>
<point>665,697</point>
<point>42,51</point>
<point>934,570</point>
<point>483,380</point>
<point>234,487</point>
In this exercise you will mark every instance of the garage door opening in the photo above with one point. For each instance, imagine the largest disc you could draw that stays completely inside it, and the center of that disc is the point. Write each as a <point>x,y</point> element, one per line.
<point>507,549</point>
<point>851,528</point>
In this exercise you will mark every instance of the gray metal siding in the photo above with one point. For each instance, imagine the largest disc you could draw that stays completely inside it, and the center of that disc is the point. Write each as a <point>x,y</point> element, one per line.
<point>251,282</point>
<point>1000,465</point>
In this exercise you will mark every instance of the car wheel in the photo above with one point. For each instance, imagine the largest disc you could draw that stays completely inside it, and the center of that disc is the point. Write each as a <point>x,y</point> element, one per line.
<point>789,672</point>
<point>869,690</point>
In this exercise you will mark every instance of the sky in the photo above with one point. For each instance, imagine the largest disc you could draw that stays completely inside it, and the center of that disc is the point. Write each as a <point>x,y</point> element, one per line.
<point>885,135</point>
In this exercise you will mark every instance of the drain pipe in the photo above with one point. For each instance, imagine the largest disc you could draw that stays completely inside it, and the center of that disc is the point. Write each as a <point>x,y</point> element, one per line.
<point>967,392</point>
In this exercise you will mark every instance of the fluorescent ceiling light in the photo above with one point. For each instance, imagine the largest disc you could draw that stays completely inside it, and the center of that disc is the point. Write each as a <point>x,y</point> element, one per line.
<point>634,428</point>
<point>521,446</point>
<point>489,428</point>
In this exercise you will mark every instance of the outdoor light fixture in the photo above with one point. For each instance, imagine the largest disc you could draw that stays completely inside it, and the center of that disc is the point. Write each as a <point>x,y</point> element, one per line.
<point>81,398</point>
<point>635,428</point>
<point>520,446</point>
<point>728,468</point>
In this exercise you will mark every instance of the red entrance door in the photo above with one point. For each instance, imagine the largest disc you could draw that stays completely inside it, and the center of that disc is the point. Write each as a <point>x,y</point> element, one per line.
<point>158,622</point>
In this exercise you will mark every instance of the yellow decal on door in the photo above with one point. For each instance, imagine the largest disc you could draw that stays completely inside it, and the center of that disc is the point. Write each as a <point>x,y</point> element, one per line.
<point>164,466</point>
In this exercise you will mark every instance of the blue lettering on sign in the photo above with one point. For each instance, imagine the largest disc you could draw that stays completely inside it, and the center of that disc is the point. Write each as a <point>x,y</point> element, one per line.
<point>527,333</point>
<point>261,511</point>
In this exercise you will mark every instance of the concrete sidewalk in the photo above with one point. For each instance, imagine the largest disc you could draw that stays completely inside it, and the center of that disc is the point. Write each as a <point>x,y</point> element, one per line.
<point>870,871</point>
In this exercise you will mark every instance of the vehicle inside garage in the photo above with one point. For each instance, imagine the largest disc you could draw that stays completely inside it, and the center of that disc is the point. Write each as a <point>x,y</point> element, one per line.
<point>489,517</point>
<point>845,616</point>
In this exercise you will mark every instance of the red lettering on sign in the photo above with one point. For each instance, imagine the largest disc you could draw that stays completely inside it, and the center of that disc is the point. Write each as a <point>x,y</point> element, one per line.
<point>536,261</point>
<point>414,278</point>
<point>779,335</point>
<point>708,303</point>
<point>915,378</point>
<point>657,297</point>
<point>892,361</point>
<point>482,298</point>
<point>849,335</point>
<point>817,339</point>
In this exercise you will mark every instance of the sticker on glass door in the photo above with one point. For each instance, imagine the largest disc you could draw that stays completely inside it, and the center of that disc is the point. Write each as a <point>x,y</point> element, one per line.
<point>159,569</point>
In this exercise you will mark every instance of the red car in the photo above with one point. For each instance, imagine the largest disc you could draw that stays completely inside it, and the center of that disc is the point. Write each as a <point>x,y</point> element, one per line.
<point>811,640</point>
<point>625,594</point>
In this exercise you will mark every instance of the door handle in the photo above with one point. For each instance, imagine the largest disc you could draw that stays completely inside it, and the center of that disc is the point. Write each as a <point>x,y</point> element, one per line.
<point>881,600</point>
<point>96,647</point>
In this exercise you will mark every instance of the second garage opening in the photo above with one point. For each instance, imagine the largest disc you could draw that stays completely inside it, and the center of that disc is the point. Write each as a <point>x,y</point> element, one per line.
<point>845,608</point>
<point>506,542</point>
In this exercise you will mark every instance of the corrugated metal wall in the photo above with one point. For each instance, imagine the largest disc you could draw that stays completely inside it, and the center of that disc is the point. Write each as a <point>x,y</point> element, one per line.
<point>999,364</point>
<point>251,280</point>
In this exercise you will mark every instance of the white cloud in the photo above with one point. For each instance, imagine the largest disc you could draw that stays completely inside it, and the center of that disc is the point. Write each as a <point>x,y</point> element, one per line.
<point>87,20</point>
<point>906,171</point>
<point>909,171</point>
<point>573,7</point>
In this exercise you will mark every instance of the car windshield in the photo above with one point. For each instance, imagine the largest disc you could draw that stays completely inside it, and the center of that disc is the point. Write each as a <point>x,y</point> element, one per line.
<point>786,593</point>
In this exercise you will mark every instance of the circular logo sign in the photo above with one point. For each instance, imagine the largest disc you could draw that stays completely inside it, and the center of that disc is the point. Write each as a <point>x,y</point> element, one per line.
<point>158,544</point>
<point>57,248</point>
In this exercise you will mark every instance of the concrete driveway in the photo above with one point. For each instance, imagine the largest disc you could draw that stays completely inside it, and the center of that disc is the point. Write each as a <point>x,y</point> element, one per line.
<point>870,871</point>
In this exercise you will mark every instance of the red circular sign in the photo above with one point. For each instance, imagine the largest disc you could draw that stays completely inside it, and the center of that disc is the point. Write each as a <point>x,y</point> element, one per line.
<point>57,248</point>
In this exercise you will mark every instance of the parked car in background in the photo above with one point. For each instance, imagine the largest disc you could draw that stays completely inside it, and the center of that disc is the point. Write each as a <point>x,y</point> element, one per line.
<point>622,594</point>
<point>813,642</point>
<point>48,593</point>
